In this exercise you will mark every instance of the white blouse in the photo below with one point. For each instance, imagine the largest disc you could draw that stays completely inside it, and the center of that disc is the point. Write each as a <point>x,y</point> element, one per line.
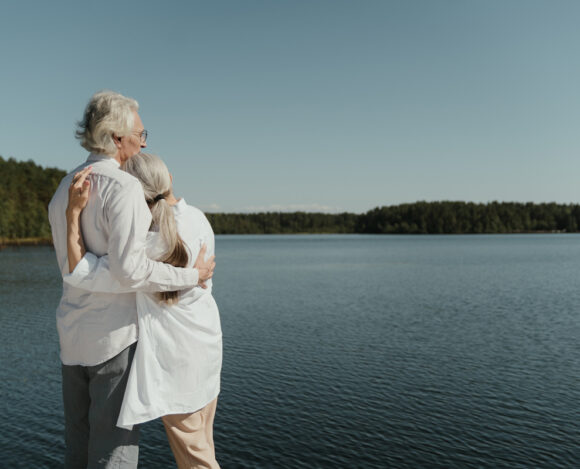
<point>177,363</point>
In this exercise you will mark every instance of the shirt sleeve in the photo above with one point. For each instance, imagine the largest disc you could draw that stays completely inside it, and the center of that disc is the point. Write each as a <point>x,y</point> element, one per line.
<point>93,274</point>
<point>128,220</point>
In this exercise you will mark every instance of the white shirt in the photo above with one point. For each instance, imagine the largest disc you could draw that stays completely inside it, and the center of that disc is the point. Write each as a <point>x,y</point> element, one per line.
<point>177,364</point>
<point>94,327</point>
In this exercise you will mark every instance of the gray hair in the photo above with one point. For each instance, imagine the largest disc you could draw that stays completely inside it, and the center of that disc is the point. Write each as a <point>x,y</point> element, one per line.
<point>154,176</point>
<point>107,114</point>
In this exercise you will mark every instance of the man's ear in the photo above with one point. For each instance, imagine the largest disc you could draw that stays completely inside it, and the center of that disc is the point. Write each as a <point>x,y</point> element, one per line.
<point>171,177</point>
<point>117,141</point>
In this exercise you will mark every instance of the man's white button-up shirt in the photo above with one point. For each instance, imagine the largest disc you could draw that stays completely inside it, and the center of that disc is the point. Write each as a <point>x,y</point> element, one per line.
<point>94,327</point>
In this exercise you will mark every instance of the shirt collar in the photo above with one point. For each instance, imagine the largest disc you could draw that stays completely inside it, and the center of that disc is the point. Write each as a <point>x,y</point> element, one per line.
<point>180,205</point>
<point>93,157</point>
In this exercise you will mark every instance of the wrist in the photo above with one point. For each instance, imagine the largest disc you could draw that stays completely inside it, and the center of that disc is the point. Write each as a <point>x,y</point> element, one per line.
<point>72,213</point>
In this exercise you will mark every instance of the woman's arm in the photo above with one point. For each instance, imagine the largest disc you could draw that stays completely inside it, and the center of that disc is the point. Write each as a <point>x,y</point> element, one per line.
<point>78,196</point>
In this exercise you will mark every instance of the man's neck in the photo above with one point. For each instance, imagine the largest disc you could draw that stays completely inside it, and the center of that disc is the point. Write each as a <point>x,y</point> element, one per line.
<point>171,200</point>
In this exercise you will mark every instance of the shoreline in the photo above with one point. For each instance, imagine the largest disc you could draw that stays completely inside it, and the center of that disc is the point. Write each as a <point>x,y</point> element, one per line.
<point>5,242</point>
<point>40,241</point>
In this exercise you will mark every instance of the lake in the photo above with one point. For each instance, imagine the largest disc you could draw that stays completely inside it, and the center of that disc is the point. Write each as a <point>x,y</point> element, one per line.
<point>347,351</point>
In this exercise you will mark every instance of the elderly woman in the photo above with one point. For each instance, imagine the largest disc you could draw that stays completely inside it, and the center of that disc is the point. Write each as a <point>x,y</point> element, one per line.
<point>176,370</point>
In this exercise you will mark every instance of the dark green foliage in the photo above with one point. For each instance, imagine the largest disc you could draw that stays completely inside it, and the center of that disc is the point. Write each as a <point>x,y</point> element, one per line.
<point>282,222</point>
<point>25,191</point>
<point>415,218</point>
<point>468,217</point>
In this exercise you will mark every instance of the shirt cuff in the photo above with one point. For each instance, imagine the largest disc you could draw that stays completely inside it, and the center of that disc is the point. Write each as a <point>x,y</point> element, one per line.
<point>82,269</point>
<point>194,273</point>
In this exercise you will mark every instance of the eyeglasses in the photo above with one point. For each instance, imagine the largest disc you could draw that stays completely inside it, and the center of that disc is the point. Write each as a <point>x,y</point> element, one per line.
<point>142,135</point>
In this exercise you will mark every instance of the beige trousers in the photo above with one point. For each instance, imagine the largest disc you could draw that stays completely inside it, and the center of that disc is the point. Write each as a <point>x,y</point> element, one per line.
<point>191,438</point>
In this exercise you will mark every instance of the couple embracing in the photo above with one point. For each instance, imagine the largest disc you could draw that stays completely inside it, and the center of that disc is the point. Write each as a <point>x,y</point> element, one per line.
<point>139,330</point>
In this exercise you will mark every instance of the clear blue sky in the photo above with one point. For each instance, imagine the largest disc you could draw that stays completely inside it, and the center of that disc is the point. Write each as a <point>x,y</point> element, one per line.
<point>313,105</point>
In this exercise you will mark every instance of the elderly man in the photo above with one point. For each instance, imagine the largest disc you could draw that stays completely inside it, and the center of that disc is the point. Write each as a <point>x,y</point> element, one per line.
<point>98,332</point>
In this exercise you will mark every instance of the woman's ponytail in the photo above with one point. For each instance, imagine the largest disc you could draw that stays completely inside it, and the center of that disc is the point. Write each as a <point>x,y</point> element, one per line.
<point>156,182</point>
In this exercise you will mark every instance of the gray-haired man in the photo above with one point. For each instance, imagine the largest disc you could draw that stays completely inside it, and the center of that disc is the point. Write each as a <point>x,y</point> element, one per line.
<point>98,332</point>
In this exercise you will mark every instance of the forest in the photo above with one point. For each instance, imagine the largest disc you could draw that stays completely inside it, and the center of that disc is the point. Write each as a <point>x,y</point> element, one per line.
<point>26,189</point>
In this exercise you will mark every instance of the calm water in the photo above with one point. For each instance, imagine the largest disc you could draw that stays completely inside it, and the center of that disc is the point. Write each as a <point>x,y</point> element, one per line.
<point>347,351</point>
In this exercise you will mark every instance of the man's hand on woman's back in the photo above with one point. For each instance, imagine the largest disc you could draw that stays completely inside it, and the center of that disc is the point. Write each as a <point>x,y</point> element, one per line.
<point>204,267</point>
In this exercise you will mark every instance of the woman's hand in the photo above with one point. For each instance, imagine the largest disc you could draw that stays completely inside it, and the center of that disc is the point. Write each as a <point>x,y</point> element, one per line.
<point>78,196</point>
<point>78,192</point>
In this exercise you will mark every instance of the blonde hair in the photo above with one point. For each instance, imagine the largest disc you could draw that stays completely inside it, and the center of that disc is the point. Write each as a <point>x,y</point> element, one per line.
<point>107,114</point>
<point>156,181</point>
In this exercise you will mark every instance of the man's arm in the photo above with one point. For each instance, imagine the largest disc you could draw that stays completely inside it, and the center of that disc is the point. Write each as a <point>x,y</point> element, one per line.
<point>127,267</point>
<point>128,219</point>
<point>93,274</point>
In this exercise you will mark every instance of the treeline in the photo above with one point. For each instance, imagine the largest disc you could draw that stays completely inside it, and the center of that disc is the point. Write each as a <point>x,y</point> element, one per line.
<point>26,189</point>
<point>469,217</point>
<point>415,218</point>
<point>282,223</point>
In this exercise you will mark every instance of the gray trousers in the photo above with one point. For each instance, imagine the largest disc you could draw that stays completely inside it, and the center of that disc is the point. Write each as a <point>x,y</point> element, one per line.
<point>92,400</point>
